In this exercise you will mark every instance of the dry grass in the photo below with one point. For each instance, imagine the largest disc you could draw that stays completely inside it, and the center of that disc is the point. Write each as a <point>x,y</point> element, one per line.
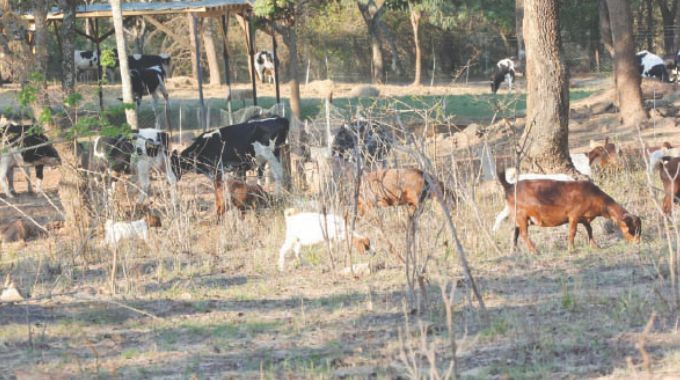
<point>205,299</point>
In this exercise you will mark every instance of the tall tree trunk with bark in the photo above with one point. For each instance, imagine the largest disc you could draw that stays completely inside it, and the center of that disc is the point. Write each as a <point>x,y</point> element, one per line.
<point>126,83</point>
<point>605,27</point>
<point>72,183</point>
<point>192,38</point>
<point>416,15</point>
<point>546,132</point>
<point>668,13</point>
<point>626,70</point>
<point>211,51</point>
<point>650,25</point>
<point>519,22</point>
<point>372,13</point>
<point>289,37</point>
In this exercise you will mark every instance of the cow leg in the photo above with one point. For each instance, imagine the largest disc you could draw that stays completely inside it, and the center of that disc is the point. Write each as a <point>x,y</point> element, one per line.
<point>5,163</point>
<point>39,175</point>
<point>144,178</point>
<point>154,106</point>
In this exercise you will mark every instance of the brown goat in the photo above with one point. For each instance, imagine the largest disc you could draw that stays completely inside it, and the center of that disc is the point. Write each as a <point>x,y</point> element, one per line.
<point>670,176</point>
<point>394,187</point>
<point>244,196</point>
<point>548,203</point>
<point>604,155</point>
<point>20,230</point>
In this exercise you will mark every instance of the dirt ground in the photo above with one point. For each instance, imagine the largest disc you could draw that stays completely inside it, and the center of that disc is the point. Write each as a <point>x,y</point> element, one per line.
<point>203,299</point>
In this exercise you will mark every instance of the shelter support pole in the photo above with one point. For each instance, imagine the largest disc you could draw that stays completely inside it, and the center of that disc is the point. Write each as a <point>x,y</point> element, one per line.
<point>276,69</point>
<point>251,53</point>
<point>225,57</point>
<point>197,57</point>
<point>97,44</point>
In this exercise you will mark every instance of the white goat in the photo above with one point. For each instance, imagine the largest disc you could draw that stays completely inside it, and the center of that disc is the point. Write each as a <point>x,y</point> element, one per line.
<point>266,154</point>
<point>309,228</point>
<point>115,232</point>
<point>511,176</point>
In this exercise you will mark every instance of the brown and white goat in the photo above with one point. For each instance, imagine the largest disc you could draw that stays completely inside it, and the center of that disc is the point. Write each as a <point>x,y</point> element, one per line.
<point>243,195</point>
<point>669,170</point>
<point>395,187</point>
<point>549,203</point>
<point>604,156</point>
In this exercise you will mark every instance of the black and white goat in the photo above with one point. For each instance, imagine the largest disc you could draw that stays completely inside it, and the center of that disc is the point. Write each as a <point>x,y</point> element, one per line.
<point>505,71</point>
<point>652,66</point>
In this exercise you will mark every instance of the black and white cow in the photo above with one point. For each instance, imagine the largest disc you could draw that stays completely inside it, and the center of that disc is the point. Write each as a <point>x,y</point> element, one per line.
<point>85,61</point>
<point>23,146</point>
<point>139,153</point>
<point>370,139</point>
<point>651,66</point>
<point>264,66</point>
<point>230,149</point>
<point>505,71</point>
<point>145,61</point>
<point>151,81</point>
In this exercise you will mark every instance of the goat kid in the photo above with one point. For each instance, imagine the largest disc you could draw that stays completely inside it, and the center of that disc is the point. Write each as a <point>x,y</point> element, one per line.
<point>115,232</point>
<point>309,228</point>
<point>243,196</point>
<point>550,203</point>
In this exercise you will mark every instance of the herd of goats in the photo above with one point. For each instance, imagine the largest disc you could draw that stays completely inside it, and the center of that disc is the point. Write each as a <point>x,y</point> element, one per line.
<point>545,200</point>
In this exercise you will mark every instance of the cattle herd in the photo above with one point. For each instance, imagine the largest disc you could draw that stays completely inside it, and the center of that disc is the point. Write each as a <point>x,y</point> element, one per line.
<point>533,199</point>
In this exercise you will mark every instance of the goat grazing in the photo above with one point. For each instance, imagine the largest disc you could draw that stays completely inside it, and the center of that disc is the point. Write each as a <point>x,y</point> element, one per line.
<point>395,187</point>
<point>511,177</point>
<point>550,203</point>
<point>309,228</point>
<point>244,196</point>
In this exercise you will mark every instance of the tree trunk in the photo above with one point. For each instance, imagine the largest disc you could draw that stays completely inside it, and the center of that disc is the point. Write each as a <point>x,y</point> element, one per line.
<point>416,14</point>
<point>126,83</point>
<point>371,14</point>
<point>211,52</point>
<point>519,20</point>
<point>546,132</point>
<point>192,38</point>
<point>72,183</point>
<point>396,61</point>
<point>605,27</point>
<point>668,13</point>
<point>289,37</point>
<point>41,35</point>
<point>243,23</point>
<point>626,70</point>
<point>650,25</point>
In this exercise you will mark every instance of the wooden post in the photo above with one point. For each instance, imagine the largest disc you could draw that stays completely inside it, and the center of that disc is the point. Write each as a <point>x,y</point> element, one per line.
<point>225,57</point>
<point>97,43</point>
<point>251,54</point>
<point>276,70</point>
<point>285,162</point>
<point>197,57</point>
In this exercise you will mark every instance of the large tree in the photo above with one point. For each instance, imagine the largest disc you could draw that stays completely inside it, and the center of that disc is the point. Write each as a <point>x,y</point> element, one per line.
<point>546,132</point>
<point>282,16</point>
<point>121,45</point>
<point>669,10</point>
<point>626,70</point>
<point>372,11</point>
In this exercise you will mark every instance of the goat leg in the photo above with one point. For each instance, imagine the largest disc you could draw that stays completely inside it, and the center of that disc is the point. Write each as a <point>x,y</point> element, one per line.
<point>589,230</point>
<point>523,226</point>
<point>572,234</point>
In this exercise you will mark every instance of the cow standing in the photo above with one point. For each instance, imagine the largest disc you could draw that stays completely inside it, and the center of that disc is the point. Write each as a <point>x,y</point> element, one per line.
<point>21,146</point>
<point>144,150</point>
<point>651,66</point>
<point>149,81</point>
<point>145,61</point>
<point>85,61</point>
<point>264,66</point>
<point>505,71</point>
<point>230,149</point>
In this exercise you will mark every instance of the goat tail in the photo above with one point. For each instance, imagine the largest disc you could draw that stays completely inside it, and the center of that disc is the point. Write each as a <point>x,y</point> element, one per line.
<point>500,174</point>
